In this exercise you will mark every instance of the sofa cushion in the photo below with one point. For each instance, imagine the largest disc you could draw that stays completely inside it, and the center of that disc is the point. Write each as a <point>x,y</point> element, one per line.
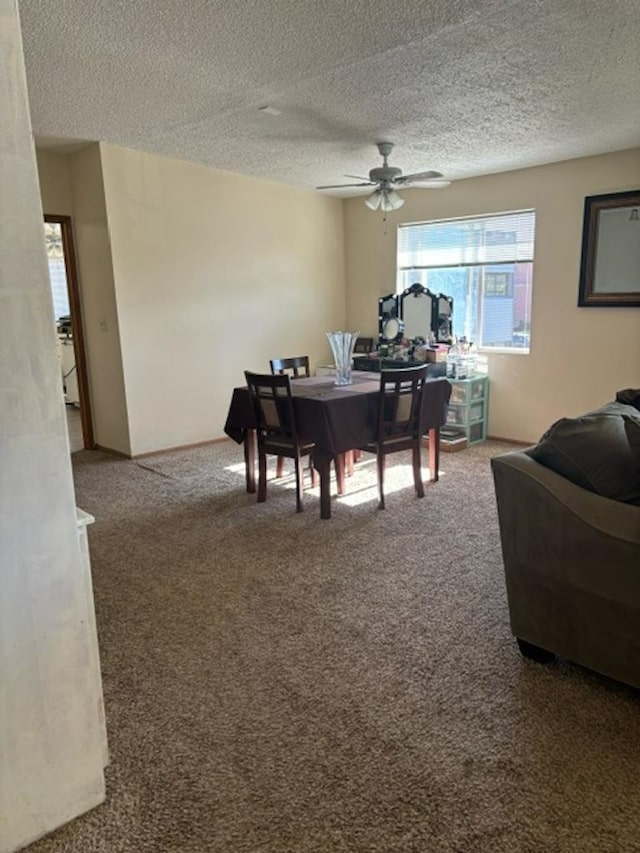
<point>599,451</point>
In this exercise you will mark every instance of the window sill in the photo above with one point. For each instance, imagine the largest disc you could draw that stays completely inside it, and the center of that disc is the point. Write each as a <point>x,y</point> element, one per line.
<point>503,351</point>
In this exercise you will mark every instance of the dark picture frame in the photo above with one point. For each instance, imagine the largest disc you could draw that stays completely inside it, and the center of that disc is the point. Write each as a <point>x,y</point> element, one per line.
<point>610,259</point>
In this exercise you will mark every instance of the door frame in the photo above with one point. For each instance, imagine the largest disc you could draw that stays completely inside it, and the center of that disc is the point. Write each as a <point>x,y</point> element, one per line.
<point>77,326</point>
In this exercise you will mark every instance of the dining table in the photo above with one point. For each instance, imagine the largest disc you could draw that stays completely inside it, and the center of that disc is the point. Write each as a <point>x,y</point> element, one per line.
<point>336,419</point>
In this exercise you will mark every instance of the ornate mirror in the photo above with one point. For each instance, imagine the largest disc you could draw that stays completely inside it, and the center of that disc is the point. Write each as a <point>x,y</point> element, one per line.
<point>417,312</point>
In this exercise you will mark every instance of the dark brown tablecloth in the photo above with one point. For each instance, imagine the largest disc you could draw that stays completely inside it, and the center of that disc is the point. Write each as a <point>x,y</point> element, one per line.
<point>337,418</point>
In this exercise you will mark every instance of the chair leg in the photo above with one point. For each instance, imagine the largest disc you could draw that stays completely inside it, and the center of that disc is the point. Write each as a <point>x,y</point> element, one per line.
<point>417,469</point>
<point>279,467</point>
<point>299,484</point>
<point>348,462</point>
<point>262,476</point>
<point>314,473</point>
<point>357,455</point>
<point>381,479</point>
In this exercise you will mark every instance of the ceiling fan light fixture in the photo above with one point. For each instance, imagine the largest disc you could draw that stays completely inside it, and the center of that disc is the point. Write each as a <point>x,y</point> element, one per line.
<point>385,200</point>
<point>391,200</point>
<point>373,201</point>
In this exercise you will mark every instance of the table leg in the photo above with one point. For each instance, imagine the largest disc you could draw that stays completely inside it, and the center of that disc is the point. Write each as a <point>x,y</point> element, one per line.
<point>340,466</point>
<point>434,454</point>
<point>324,469</point>
<point>250,459</point>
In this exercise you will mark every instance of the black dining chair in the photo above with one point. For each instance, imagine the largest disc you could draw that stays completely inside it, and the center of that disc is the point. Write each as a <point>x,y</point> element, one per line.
<point>363,345</point>
<point>276,429</point>
<point>399,422</point>
<point>296,366</point>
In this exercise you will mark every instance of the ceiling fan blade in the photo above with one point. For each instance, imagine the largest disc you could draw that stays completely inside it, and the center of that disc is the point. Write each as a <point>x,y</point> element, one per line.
<point>433,184</point>
<point>359,177</point>
<point>418,176</point>
<point>340,186</point>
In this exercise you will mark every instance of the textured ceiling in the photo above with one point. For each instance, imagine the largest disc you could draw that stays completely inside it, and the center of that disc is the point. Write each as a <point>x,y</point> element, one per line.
<point>466,88</point>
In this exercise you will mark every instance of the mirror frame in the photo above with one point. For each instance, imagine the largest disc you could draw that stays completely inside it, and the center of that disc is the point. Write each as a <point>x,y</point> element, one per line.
<point>391,301</point>
<point>588,293</point>
<point>437,300</point>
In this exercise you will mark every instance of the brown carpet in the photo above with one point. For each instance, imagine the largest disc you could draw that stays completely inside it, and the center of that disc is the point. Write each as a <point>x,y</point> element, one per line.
<point>279,684</point>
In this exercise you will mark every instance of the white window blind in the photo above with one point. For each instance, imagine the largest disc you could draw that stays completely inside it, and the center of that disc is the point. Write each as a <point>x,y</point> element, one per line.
<point>495,239</point>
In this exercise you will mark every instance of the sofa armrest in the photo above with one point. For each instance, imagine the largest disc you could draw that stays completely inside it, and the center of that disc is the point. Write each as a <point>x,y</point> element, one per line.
<point>613,518</point>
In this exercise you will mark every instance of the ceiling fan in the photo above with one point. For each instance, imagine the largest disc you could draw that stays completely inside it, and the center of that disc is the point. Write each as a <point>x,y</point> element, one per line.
<point>388,179</point>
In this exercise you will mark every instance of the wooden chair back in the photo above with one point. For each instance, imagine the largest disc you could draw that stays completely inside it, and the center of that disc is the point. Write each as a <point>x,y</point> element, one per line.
<point>276,428</point>
<point>363,345</point>
<point>400,407</point>
<point>400,421</point>
<point>295,367</point>
<point>272,406</point>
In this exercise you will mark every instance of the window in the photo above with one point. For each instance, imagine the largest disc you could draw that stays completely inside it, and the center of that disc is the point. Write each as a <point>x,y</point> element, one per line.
<point>485,263</point>
<point>57,269</point>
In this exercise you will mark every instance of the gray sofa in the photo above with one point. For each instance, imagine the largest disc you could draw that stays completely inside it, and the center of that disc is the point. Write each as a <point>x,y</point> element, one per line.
<point>571,555</point>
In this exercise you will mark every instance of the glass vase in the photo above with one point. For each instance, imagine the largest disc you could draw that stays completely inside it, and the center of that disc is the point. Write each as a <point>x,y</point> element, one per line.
<point>342,344</point>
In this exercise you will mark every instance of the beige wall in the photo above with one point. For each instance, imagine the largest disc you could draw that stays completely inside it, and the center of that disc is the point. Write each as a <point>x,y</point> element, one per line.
<point>72,185</point>
<point>579,356</point>
<point>99,310</point>
<point>55,183</point>
<point>50,733</point>
<point>214,273</point>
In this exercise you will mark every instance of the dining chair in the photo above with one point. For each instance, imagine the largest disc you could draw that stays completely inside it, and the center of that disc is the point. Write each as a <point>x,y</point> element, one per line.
<point>296,366</point>
<point>363,345</point>
<point>399,421</point>
<point>276,429</point>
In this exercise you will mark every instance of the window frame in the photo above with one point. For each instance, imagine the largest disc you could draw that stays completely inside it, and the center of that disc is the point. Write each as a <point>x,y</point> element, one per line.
<point>400,286</point>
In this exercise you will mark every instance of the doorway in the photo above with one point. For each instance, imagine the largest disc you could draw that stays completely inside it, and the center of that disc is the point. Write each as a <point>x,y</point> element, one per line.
<point>65,291</point>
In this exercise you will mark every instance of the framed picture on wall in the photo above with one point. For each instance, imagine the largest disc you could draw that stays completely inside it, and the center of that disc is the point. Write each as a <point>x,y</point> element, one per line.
<point>610,261</point>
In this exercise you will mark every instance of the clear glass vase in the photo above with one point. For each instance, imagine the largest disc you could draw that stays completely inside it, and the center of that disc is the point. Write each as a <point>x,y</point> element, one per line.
<point>342,344</point>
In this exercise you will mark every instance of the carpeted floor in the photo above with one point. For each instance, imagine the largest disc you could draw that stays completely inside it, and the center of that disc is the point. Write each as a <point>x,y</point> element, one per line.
<point>279,684</point>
